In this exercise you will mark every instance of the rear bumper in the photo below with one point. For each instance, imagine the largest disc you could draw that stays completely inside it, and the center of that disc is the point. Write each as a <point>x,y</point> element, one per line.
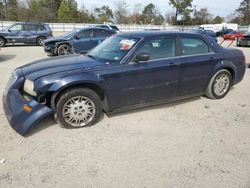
<point>20,120</point>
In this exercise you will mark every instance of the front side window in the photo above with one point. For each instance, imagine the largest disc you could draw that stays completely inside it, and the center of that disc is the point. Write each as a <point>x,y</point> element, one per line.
<point>113,49</point>
<point>101,33</point>
<point>85,34</point>
<point>16,28</point>
<point>192,46</point>
<point>159,48</point>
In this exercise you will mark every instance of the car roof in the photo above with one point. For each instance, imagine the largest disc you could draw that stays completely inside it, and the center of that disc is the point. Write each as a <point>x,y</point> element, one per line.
<point>95,28</point>
<point>148,34</point>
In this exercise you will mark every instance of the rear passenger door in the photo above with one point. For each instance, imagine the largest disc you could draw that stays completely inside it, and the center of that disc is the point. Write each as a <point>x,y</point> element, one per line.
<point>197,61</point>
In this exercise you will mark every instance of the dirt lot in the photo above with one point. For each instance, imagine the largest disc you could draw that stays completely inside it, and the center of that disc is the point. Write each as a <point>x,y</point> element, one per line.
<point>188,144</point>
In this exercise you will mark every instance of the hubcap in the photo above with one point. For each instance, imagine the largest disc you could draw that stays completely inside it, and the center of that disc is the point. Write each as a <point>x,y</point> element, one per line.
<point>221,84</point>
<point>64,50</point>
<point>1,42</point>
<point>40,41</point>
<point>78,111</point>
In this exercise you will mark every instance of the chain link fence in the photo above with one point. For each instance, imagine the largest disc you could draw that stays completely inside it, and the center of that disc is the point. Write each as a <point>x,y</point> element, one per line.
<point>65,27</point>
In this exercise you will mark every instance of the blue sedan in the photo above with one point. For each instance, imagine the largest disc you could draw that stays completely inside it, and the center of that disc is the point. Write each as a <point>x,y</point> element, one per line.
<point>77,41</point>
<point>126,71</point>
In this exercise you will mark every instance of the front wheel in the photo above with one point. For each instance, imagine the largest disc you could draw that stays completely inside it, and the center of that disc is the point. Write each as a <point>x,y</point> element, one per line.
<point>64,49</point>
<point>219,85</point>
<point>78,108</point>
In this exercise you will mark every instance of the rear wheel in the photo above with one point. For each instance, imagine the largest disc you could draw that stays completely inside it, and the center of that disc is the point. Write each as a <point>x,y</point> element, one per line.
<point>219,85</point>
<point>78,108</point>
<point>39,41</point>
<point>64,49</point>
<point>2,42</point>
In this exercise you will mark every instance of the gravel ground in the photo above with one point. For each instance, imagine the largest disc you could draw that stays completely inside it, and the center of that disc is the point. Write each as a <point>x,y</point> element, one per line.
<point>187,144</point>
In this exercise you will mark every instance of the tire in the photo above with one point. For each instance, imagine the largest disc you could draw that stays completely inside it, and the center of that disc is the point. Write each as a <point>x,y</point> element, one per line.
<point>219,85</point>
<point>39,41</point>
<point>64,49</point>
<point>2,42</point>
<point>77,108</point>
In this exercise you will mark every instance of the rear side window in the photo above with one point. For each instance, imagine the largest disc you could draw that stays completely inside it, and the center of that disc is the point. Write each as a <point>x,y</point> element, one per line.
<point>192,46</point>
<point>159,48</point>
<point>29,27</point>
<point>41,28</point>
<point>101,33</point>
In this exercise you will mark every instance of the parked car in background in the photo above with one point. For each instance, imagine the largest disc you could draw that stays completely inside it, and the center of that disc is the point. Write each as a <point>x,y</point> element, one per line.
<point>233,35</point>
<point>126,71</point>
<point>107,26</point>
<point>27,33</point>
<point>244,40</point>
<point>77,41</point>
<point>223,32</point>
<point>208,33</point>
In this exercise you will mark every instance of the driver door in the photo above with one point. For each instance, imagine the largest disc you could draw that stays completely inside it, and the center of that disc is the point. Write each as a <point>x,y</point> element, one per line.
<point>144,82</point>
<point>15,33</point>
<point>83,41</point>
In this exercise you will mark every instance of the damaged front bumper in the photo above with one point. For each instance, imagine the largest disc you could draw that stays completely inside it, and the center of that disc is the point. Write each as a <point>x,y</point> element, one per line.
<point>15,107</point>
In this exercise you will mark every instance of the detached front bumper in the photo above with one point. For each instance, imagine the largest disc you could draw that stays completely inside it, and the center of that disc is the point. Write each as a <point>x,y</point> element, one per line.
<point>49,49</point>
<point>20,119</point>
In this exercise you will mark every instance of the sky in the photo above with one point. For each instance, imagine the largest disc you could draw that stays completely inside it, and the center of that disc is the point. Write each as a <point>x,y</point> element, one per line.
<point>216,7</point>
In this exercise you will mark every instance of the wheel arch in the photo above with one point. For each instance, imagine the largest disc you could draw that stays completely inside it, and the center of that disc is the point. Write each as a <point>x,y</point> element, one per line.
<point>95,87</point>
<point>4,39</point>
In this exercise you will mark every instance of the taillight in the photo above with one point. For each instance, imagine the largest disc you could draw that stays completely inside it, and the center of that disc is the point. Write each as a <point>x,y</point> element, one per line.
<point>244,59</point>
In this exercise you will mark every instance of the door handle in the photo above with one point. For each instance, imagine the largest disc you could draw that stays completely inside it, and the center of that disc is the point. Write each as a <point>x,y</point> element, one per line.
<point>172,64</point>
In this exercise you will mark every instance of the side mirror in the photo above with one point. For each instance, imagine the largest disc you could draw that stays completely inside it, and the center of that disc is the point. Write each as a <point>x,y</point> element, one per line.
<point>77,37</point>
<point>141,57</point>
<point>9,30</point>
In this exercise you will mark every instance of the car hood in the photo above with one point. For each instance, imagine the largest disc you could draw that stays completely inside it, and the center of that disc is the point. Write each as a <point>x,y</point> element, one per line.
<point>56,65</point>
<point>55,39</point>
<point>4,32</point>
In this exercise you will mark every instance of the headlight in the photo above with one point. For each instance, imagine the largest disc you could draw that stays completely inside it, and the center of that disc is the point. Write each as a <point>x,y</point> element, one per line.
<point>29,87</point>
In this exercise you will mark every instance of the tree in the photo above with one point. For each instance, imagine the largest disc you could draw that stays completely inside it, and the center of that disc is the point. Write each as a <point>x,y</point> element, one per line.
<point>85,16</point>
<point>121,12</point>
<point>104,14</point>
<point>8,10</point>
<point>170,18</point>
<point>136,17</point>
<point>52,6</point>
<point>180,6</point>
<point>68,11</point>
<point>218,20</point>
<point>243,13</point>
<point>202,16</point>
<point>150,15</point>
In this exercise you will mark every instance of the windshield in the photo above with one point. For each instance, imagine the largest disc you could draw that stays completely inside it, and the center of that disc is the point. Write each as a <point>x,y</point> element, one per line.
<point>114,27</point>
<point>113,49</point>
<point>71,34</point>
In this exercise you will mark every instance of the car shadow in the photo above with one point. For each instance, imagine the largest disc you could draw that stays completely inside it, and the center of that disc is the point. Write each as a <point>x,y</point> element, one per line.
<point>6,57</point>
<point>50,121</point>
<point>44,124</point>
<point>20,45</point>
